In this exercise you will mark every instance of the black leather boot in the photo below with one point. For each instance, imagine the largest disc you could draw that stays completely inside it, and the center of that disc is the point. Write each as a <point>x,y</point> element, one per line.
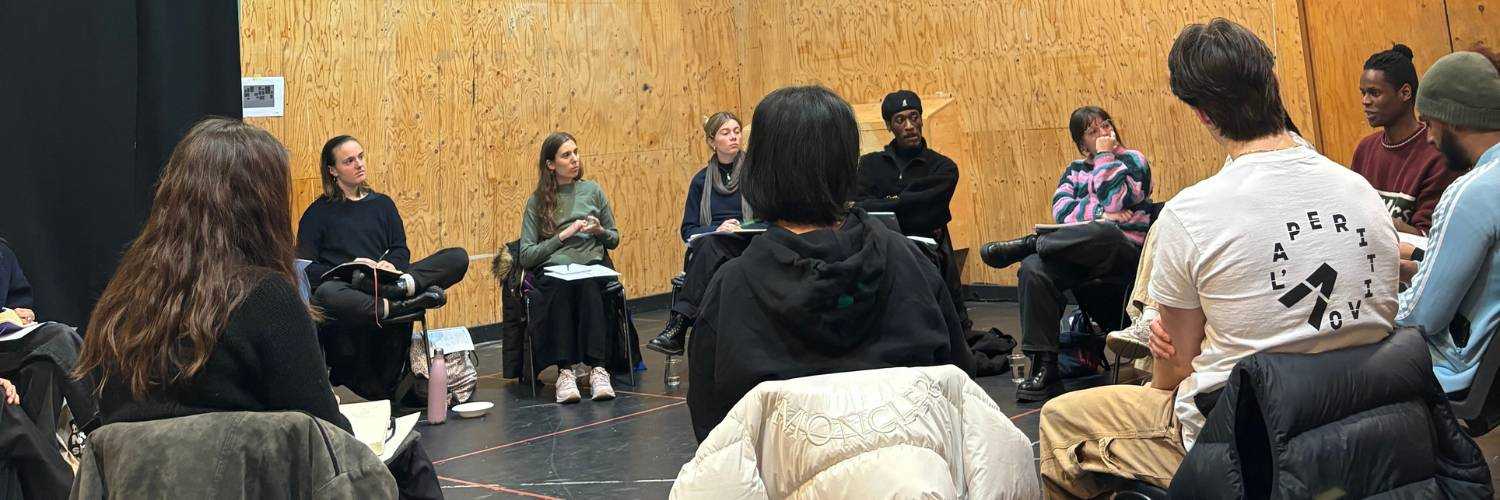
<point>999,254</point>
<point>389,289</point>
<point>673,338</point>
<point>432,297</point>
<point>1045,381</point>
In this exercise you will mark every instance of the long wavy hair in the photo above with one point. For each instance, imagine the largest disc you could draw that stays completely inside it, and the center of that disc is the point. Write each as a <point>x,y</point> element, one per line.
<point>219,224</point>
<point>546,183</point>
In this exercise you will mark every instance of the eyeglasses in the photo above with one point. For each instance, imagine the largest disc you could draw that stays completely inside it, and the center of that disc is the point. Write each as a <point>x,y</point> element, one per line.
<point>1101,127</point>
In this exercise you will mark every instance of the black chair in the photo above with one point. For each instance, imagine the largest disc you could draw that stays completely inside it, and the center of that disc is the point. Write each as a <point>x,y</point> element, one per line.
<point>1476,408</point>
<point>409,378</point>
<point>1138,490</point>
<point>517,294</point>
<point>616,313</point>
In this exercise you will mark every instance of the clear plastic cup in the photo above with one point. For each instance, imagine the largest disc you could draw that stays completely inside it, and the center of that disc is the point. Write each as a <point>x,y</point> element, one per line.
<point>1020,368</point>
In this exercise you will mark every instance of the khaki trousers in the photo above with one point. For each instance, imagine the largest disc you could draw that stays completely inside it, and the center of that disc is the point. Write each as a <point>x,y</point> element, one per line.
<point>1094,440</point>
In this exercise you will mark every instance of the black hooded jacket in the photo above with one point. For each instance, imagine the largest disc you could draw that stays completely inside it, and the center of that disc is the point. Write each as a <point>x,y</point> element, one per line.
<point>857,298</point>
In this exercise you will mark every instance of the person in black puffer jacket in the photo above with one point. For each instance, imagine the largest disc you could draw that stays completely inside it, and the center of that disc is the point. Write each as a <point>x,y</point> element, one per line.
<point>1376,423</point>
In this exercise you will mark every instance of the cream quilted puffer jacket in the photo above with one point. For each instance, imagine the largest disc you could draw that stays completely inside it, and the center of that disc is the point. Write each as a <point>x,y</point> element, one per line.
<point>889,433</point>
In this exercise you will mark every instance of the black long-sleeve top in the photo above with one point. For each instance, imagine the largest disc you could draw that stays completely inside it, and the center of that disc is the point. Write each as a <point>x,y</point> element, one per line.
<point>267,358</point>
<point>336,232</point>
<point>15,291</point>
<point>917,189</point>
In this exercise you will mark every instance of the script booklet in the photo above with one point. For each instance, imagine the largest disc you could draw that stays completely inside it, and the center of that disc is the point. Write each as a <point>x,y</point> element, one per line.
<point>345,272</point>
<point>742,230</point>
<point>573,272</point>
<point>373,426</point>
<point>1041,228</point>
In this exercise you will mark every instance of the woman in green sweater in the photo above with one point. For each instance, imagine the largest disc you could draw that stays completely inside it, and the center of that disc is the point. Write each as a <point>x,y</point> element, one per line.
<point>568,221</point>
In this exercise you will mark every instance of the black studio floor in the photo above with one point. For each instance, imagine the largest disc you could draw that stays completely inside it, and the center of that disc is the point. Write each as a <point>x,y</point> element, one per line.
<point>633,446</point>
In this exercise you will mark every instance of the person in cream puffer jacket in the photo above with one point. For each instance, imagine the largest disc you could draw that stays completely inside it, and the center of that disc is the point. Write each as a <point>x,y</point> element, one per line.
<point>889,433</point>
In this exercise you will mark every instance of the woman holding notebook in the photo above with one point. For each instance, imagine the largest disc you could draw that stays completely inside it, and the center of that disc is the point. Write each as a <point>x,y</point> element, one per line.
<point>568,220</point>
<point>712,227</point>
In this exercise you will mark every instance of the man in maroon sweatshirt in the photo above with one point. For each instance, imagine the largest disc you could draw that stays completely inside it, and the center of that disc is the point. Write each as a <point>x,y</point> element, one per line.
<point>1408,172</point>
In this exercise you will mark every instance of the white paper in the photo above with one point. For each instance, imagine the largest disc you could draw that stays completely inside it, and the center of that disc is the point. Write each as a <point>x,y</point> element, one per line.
<point>372,425</point>
<point>1413,240</point>
<point>573,272</point>
<point>923,239</point>
<point>404,425</point>
<point>450,340</point>
<point>19,334</point>
<point>370,420</point>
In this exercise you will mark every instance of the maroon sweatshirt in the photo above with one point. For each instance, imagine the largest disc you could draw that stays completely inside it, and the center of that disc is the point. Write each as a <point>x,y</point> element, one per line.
<point>1410,178</point>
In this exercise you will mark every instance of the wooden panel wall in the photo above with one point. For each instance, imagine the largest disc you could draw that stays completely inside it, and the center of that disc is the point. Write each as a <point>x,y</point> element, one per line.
<point>452,98</point>
<point>1017,69</point>
<point>1474,21</point>
<point>1343,33</point>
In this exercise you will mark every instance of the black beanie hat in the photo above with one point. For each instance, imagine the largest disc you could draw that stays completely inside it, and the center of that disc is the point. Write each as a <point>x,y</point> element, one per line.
<point>898,101</point>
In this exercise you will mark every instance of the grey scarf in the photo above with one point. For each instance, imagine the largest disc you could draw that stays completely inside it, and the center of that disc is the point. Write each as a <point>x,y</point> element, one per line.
<point>714,183</point>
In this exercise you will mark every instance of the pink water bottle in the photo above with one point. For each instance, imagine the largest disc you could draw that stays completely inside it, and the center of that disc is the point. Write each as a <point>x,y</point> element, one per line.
<point>437,388</point>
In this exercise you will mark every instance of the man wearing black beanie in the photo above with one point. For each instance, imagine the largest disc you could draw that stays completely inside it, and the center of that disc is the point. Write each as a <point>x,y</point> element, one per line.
<point>914,182</point>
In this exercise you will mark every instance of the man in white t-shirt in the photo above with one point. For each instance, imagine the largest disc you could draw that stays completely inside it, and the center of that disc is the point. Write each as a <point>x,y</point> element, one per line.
<point>1282,250</point>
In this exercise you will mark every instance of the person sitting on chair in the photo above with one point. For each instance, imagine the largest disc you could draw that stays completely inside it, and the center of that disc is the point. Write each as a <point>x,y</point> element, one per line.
<point>1105,196</point>
<point>1451,298</point>
<point>1397,160</point>
<point>714,211</point>
<point>568,220</point>
<point>203,313</point>
<point>15,289</point>
<point>826,289</point>
<point>915,183</point>
<point>1282,250</point>
<point>352,223</point>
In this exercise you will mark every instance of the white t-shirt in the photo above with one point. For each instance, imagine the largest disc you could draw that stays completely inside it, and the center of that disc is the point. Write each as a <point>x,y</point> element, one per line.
<point>1284,251</point>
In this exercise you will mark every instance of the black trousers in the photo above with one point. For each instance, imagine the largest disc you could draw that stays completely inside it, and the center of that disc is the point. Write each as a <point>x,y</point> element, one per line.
<point>704,256</point>
<point>568,323</point>
<point>31,466</point>
<point>356,308</point>
<point>1096,261</point>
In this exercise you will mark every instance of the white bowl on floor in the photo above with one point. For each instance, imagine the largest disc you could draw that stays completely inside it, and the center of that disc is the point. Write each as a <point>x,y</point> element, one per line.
<point>474,409</point>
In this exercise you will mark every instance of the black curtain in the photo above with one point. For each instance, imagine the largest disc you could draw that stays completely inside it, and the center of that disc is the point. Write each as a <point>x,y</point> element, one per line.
<point>95,95</point>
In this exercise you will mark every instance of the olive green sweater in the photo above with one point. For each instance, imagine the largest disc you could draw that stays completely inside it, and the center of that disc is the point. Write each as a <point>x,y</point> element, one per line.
<point>574,201</point>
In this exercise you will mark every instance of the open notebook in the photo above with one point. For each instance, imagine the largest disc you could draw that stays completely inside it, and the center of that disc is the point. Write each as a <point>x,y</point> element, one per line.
<point>373,426</point>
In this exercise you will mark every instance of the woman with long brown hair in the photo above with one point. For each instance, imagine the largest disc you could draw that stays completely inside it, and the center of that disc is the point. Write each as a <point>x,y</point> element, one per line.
<point>568,220</point>
<point>202,314</point>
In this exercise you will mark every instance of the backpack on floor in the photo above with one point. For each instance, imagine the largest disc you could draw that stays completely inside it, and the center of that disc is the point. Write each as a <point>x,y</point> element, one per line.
<point>463,372</point>
<point>1080,347</point>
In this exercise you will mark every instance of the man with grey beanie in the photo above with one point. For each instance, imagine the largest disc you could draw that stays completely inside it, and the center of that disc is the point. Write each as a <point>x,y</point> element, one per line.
<point>1450,297</point>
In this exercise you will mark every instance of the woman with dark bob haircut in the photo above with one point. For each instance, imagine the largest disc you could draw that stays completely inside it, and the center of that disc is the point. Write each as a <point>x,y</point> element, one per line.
<point>826,289</point>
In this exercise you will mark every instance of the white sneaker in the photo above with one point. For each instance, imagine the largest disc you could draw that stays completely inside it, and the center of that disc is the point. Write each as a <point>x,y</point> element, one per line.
<point>567,386</point>
<point>1133,342</point>
<point>599,384</point>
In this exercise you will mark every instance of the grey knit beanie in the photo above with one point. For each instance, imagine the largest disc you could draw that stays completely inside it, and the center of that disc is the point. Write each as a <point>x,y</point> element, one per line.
<point>1462,88</point>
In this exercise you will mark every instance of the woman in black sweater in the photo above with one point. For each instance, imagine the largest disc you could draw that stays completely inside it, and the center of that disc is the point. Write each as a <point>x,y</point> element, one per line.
<point>352,223</point>
<point>714,212</point>
<point>826,289</point>
<point>202,314</point>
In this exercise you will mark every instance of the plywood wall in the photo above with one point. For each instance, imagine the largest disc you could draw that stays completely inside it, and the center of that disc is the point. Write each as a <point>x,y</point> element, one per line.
<point>1343,33</point>
<point>1016,69</point>
<point>452,97</point>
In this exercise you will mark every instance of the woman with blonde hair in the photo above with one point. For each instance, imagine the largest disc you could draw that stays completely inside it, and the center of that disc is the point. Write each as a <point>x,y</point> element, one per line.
<point>714,214</point>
